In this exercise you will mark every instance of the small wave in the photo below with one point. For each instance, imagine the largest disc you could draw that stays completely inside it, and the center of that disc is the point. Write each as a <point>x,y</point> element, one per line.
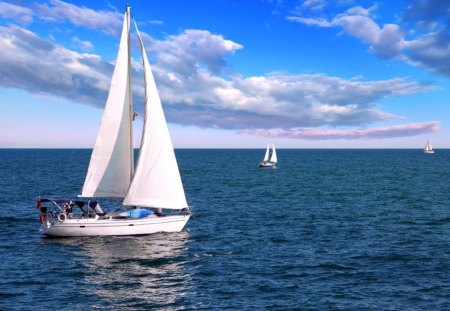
<point>153,263</point>
<point>334,266</point>
<point>390,257</point>
<point>266,288</point>
<point>409,222</point>
<point>431,288</point>
<point>438,222</point>
<point>9,220</point>
<point>29,282</point>
<point>11,295</point>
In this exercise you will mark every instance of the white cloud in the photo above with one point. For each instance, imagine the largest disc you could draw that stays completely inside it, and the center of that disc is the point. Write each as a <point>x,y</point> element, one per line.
<point>314,5</point>
<point>311,21</point>
<point>60,11</point>
<point>322,134</point>
<point>156,22</point>
<point>39,66</point>
<point>81,44</point>
<point>430,50</point>
<point>185,51</point>
<point>57,11</point>
<point>21,14</point>
<point>187,80</point>
<point>386,41</point>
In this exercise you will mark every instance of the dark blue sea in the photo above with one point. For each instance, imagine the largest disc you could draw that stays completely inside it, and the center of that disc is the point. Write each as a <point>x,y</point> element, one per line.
<point>326,230</point>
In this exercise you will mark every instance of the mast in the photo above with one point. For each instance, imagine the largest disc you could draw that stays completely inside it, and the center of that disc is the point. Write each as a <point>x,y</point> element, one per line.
<point>128,15</point>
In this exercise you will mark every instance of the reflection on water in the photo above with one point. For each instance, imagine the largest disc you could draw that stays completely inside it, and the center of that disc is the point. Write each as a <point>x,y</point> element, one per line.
<point>133,272</point>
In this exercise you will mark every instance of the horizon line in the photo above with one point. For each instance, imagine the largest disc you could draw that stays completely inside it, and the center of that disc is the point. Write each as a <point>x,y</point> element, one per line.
<point>231,148</point>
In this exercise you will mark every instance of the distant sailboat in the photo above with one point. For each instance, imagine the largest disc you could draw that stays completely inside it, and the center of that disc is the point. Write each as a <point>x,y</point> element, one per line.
<point>273,157</point>
<point>154,185</point>
<point>428,148</point>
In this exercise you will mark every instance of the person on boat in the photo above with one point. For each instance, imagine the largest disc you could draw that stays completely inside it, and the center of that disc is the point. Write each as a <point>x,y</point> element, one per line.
<point>43,215</point>
<point>95,206</point>
<point>68,209</point>
<point>158,211</point>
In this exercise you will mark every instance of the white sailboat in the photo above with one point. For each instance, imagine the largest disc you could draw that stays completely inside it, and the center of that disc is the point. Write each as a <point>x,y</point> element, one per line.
<point>270,160</point>
<point>428,148</point>
<point>155,185</point>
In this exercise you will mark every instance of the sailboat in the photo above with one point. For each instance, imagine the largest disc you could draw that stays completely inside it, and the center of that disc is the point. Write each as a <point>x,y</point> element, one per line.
<point>428,148</point>
<point>273,157</point>
<point>152,193</point>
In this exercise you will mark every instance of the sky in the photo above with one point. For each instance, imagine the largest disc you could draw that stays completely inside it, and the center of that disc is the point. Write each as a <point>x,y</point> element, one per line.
<point>233,73</point>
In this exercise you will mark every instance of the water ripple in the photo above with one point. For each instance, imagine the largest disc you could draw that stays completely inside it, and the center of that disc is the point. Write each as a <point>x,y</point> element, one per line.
<point>327,230</point>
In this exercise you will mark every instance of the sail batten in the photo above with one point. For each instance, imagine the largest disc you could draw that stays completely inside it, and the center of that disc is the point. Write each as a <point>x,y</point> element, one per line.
<point>157,181</point>
<point>111,164</point>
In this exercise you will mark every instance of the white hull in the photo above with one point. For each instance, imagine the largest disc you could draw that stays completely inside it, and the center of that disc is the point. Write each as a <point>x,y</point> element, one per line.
<point>97,227</point>
<point>428,151</point>
<point>267,164</point>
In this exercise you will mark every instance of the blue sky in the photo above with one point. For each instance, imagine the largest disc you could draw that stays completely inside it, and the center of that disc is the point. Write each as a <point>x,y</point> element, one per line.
<point>309,73</point>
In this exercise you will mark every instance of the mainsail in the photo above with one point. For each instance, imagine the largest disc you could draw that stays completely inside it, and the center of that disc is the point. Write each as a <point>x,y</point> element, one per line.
<point>157,181</point>
<point>111,165</point>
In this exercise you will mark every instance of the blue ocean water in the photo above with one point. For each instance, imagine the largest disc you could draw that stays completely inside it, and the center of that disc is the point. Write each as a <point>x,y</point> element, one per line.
<point>326,230</point>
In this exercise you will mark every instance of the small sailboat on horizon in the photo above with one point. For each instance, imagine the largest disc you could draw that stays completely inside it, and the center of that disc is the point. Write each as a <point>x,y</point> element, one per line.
<point>270,158</point>
<point>149,189</point>
<point>428,148</point>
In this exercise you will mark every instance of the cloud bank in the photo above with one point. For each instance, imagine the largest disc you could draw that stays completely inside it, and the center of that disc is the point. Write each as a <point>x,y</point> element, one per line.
<point>195,83</point>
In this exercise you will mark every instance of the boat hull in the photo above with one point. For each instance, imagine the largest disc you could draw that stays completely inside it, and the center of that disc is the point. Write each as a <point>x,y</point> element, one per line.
<point>113,227</point>
<point>267,165</point>
<point>428,151</point>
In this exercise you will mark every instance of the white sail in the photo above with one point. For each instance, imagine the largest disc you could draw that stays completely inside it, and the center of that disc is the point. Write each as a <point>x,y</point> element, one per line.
<point>111,165</point>
<point>428,146</point>
<point>273,158</point>
<point>266,156</point>
<point>157,181</point>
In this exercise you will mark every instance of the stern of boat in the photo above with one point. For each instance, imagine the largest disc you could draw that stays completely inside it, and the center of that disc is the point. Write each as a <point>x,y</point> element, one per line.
<point>45,225</point>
